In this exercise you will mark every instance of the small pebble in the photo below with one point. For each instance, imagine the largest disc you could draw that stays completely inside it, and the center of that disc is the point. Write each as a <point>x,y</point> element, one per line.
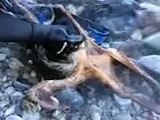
<point>33,74</point>
<point>96,116</point>
<point>10,91</point>
<point>20,86</point>
<point>122,102</point>
<point>137,35</point>
<point>2,56</point>
<point>15,63</point>
<point>14,117</point>
<point>10,111</point>
<point>17,97</point>
<point>71,97</point>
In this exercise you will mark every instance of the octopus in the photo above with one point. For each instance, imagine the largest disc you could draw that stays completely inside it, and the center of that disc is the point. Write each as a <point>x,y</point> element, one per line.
<point>90,61</point>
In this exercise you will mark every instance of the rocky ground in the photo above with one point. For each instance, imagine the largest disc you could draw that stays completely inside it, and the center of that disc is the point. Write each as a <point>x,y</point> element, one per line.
<point>133,30</point>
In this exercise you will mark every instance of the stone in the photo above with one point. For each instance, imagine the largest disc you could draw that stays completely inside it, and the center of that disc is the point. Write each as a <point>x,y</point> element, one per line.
<point>123,116</point>
<point>4,100</point>
<point>71,97</point>
<point>153,41</point>
<point>149,30</point>
<point>4,79</point>
<point>137,35</point>
<point>136,107</point>
<point>58,115</point>
<point>9,91</point>
<point>151,62</point>
<point>128,2</point>
<point>122,102</point>
<point>95,108</point>
<point>96,116</point>
<point>17,97</point>
<point>9,111</point>
<point>33,74</point>
<point>20,86</point>
<point>14,117</point>
<point>76,10</point>
<point>15,63</point>
<point>5,51</point>
<point>2,56</point>
<point>31,115</point>
<point>150,7</point>
<point>19,109</point>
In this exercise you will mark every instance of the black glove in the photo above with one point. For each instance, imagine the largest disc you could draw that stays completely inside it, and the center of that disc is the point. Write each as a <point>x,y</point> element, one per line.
<point>16,30</point>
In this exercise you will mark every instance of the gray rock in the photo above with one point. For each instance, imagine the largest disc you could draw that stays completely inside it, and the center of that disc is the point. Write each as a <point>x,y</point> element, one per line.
<point>14,117</point>
<point>20,86</point>
<point>95,112</point>
<point>96,116</point>
<point>153,41</point>
<point>17,97</point>
<point>2,56</point>
<point>58,115</point>
<point>10,91</point>
<point>4,79</point>
<point>15,63</point>
<point>123,116</point>
<point>4,100</point>
<point>9,111</point>
<point>115,111</point>
<point>31,115</point>
<point>137,35</point>
<point>136,107</point>
<point>151,62</point>
<point>127,2</point>
<point>122,102</point>
<point>71,97</point>
<point>95,108</point>
<point>5,51</point>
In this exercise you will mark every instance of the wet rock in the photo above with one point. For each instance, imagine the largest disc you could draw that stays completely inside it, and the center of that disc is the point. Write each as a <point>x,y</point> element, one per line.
<point>95,108</point>
<point>5,51</point>
<point>149,16</point>
<point>10,111</point>
<point>136,107</point>
<point>122,102</point>
<point>9,91</point>
<point>71,97</point>
<point>123,116</point>
<point>149,30</point>
<point>14,117</point>
<point>4,79</point>
<point>31,115</point>
<point>115,110</point>
<point>137,35</point>
<point>96,116</point>
<point>15,63</point>
<point>2,56</point>
<point>4,100</point>
<point>20,86</point>
<point>153,41</point>
<point>33,74</point>
<point>17,97</point>
<point>128,2</point>
<point>57,115</point>
<point>76,10</point>
<point>19,109</point>
<point>150,7</point>
<point>121,27</point>
<point>95,112</point>
<point>152,62</point>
